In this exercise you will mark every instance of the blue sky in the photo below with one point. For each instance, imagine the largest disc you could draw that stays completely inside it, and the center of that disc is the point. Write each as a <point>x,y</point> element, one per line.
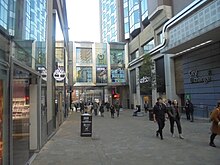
<point>83,20</point>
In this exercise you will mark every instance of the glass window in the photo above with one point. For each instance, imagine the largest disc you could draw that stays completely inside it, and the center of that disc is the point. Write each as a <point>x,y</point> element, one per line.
<point>118,75</point>
<point>112,20</point>
<point>133,80</point>
<point>84,55</point>
<point>136,17</point>
<point>126,12</point>
<point>117,56</point>
<point>144,7</point>
<point>126,27</point>
<point>159,38</point>
<point>101,75</point>
<point>148,46</point>
<point>84,74</point>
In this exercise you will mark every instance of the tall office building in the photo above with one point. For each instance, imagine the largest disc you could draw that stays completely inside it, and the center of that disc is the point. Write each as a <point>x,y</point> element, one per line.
<point>31,20</point>
<point>7,16</point>
<point>111,21</point>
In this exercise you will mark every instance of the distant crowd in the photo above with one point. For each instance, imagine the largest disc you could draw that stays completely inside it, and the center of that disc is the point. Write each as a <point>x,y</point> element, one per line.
<point>97,108</point>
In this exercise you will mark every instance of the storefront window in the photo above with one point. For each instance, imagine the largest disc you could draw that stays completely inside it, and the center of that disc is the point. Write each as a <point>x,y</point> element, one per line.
<point>101,54</point>
<point>101,75</point>
<point>117,56</point>
<point>84,74</point>
<point>20,116</point>
<point>84,55</point>
<point>118,75</point>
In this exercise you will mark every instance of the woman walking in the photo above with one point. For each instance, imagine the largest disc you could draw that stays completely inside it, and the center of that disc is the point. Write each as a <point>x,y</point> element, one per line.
<point>174,116</point>
<point>215,118</point>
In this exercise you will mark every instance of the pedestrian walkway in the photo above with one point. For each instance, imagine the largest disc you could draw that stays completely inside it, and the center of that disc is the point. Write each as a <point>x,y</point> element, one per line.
<point>128,140</point>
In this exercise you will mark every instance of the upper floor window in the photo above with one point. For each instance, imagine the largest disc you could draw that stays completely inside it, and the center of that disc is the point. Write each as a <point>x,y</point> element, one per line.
<point>134,55</point>
<point>83,55</point>
<point>159,38</point>
<point>148,46</point>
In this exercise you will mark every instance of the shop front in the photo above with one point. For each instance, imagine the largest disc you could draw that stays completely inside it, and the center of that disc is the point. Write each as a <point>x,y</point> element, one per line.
<point>4,101</point>
<point>25,114</point>
<point>192,57</point>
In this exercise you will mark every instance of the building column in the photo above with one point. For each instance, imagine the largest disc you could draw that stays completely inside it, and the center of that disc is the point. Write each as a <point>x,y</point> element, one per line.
<point>50,44</point>
<point>170,77</point>
<point>138,93</point>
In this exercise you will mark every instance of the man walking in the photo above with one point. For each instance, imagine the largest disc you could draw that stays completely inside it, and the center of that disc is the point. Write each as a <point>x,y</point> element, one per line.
<point>159,112</point>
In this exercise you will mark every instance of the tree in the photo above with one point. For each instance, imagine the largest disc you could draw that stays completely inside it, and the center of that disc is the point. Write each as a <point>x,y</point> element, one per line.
<point>148,78</point>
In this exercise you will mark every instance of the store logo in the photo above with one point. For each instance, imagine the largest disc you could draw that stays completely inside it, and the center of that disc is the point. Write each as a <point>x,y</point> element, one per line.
<point>197,76</point>
<point>144,79</point>
<point>44,75</point>
<point>59,74</point>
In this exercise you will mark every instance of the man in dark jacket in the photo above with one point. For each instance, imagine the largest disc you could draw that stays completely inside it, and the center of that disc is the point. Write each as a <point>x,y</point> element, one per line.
<point>189,109</point>
<point>159,112</point>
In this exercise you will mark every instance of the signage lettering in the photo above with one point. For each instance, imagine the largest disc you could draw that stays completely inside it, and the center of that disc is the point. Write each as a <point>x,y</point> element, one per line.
<point>195,77</point>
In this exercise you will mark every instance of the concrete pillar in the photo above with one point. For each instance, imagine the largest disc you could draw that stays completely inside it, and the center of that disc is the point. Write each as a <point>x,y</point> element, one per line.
<point>50,45</point>
<point>138,94</point>
<point>170,77</point>
<point>33,117</point>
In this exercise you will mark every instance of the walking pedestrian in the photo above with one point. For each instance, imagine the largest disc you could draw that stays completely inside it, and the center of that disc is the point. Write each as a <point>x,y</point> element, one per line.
<point>101,109</point>
<point>189,110</point>
<point>112,110</point>
<point>215,128</point>
<point>174,116</point>
<point>95,108</point>
<point>146,106</point>
<point>117,108</point>
<point>159,113</point>
<point>107,105</point>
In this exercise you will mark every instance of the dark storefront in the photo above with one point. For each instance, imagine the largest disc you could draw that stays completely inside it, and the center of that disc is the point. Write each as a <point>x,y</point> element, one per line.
<point>200,80</point>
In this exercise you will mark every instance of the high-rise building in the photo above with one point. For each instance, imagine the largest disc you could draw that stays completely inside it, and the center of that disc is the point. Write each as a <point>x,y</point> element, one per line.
<point>7,16</point>
<point>31,20</point>
<point>111,21</point>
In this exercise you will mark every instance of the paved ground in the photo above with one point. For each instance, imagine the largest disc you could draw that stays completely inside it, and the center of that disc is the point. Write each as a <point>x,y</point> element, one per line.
<point>128,140</point>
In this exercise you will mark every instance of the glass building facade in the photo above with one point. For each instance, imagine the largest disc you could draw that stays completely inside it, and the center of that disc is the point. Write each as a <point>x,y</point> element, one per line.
<point>108,66</point>
<point>31,25</point>
<point>134,14</point>
<point>7,16</point>
<point>108,20</point>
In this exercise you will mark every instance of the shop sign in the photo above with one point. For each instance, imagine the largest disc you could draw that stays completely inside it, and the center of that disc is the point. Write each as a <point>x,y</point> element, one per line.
<point>59,74</point>
<point>144,79</point>
<point>44,75</point>
<point>199,76</point>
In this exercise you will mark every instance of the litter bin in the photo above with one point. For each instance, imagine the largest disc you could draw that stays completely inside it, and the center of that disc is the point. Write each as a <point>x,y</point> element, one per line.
<point>86,125</point>
<point>151,117</point>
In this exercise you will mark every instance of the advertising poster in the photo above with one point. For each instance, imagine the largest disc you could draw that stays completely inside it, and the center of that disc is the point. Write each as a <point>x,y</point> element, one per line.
<point>101,75</point>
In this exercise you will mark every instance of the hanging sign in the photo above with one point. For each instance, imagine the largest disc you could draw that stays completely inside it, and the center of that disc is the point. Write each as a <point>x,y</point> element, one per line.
<point>44,75</point>
<point>59,74</point>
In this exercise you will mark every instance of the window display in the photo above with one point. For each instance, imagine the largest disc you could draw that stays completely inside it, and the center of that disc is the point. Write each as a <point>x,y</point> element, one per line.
<point>84,74</point>
<point>20,108</point>
<point>84,55</point>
